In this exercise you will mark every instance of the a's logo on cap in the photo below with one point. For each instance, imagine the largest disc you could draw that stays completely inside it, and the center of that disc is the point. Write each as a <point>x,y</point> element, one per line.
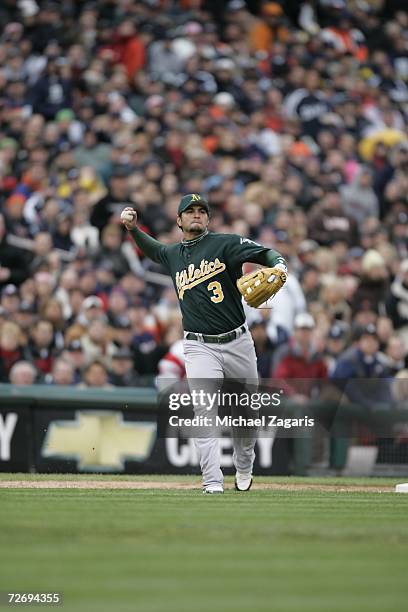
<point>195,197</point>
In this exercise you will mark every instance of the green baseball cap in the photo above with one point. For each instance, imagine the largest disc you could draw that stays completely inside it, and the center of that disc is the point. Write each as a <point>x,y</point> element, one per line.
<point>192,199</point>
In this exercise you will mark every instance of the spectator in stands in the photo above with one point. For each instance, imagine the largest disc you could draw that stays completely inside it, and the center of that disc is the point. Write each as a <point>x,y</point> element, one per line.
<point>41,248</point>
<point>41,346</point>
<point>269,29</point>
<point>310,282</point>
<point>61,234</point>
<point>329,223</point>
<point>53,312</point>
<point>110,250</point>
<point>11,346</point>
<point>91,307</point>
<point>75,356</point>
<point>122,333</point>
<point>395,356</point>
<point>23,373</point>
<point>53,90</point>
<point>109,207</point>
<point>345,38</point>
<point>10,299</point>
<point>128,48</point>
<point>164,62</point>
<point>385,330</point>
<point>62,373</point>
<point>122,372</point>
<point>359,198</point>
<point>44,288</point>
<point>332,297</point>
<point>118,304</point>
<point>361,372</point>
<point>14,215</point>
<point>92,153</point>
<point>95,374</point>
<point>96,342</point>
<point>371,292</point>
<point>25,317</point>
<point>299,359</point>
<point>264,346</point>
<point>308,103</point>
<point>335,345</point>
<point>362,360</point>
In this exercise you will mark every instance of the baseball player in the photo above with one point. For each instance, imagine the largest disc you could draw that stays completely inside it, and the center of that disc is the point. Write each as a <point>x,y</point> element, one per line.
<point>205,267</point>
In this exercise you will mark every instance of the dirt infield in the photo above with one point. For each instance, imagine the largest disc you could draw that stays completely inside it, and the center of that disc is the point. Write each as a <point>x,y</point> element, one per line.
<point>151,485</point>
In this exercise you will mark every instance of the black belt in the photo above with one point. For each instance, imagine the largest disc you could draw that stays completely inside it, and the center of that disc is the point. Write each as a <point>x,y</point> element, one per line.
<point>220,339</point>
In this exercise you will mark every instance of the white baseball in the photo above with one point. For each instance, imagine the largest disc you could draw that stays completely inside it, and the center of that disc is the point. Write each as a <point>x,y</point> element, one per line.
<point>127,215</point>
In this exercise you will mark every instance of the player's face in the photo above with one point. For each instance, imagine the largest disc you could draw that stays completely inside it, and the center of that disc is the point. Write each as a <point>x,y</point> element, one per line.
<point>193,220</point>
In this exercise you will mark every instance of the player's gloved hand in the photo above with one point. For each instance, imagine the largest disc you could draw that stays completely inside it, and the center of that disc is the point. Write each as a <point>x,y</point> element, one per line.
<point>128,218</point>
<point>282,267</point>
<point>260,285</point>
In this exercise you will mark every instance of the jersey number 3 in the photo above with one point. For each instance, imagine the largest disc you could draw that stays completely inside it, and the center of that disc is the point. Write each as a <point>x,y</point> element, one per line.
<point>216,288</point>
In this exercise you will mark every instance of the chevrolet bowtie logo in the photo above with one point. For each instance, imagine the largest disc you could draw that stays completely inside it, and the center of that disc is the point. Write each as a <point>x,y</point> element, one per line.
<point>99,440</point>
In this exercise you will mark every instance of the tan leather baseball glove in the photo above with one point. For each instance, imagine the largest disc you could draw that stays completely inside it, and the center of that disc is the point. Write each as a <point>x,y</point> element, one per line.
<point>260,285</point>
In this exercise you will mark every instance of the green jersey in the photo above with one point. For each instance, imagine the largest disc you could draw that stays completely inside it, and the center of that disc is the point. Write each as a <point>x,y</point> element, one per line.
<point>204,273</point>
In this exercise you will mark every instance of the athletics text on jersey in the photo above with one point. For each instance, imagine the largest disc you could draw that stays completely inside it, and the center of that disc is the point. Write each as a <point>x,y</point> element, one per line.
<point>204,273</point>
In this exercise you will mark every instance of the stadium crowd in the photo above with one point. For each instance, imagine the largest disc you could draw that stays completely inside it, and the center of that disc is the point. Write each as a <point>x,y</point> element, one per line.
<point>290,117</point>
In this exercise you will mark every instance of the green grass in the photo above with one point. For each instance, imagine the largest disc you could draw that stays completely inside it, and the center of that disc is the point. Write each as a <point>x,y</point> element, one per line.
<point>180,551</point>
<point>374,481</point>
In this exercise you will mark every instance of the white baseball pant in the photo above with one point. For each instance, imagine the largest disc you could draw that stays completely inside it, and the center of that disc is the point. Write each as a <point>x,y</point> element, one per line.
<point>212,363</point>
